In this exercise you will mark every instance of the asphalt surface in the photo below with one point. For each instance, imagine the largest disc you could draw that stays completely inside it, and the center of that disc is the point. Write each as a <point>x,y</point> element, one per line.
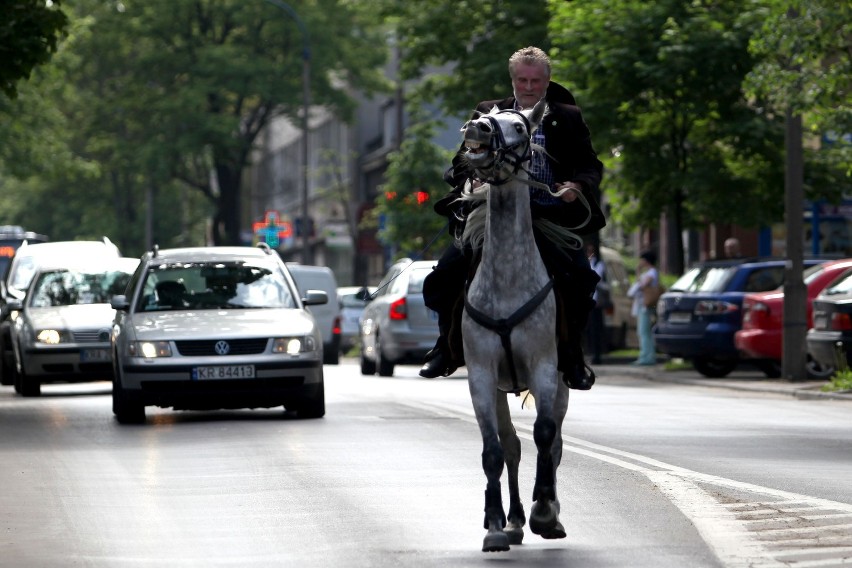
<point>743,378</point>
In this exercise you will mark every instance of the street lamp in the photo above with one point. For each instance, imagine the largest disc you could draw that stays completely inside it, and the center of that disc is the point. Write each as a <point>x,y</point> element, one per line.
<point>306,102</point>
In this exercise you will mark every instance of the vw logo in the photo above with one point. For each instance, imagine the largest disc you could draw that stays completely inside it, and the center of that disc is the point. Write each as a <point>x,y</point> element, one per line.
<point>222,348</point>
<point>103,335</point>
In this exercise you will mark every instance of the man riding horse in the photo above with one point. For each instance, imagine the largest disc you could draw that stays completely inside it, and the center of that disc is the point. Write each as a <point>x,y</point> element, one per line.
<point>569,161</point>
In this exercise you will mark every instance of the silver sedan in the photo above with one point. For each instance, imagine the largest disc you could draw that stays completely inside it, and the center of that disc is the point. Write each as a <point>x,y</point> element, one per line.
<point>216,327</point>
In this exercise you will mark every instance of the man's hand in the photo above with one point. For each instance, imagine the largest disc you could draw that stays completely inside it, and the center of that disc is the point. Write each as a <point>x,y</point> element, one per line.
<point>573,189</point>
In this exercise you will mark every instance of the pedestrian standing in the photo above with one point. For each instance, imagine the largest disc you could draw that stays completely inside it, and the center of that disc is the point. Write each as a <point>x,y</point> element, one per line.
<point>643,309</point>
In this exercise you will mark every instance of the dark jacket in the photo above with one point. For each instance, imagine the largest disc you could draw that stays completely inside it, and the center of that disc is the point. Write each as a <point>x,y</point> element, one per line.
<point>572,158</point>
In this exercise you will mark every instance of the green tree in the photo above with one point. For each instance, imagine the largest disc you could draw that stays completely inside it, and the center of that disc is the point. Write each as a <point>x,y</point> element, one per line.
<point>29,33</point>
<point>660,85</point>
<point>180,90</point>
<point>56,177</point>
<point>459,51</point>
<point>414,180</point>
<point>805,64</point>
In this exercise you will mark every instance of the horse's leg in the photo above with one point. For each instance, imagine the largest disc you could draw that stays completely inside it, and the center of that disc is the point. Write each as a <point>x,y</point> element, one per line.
<point>512,452</point>
<point>544,515</point>
<point>483,394</point>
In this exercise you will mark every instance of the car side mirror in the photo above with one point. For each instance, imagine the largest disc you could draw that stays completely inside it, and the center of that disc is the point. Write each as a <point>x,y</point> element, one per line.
<point>119,303</point>
<point>315,298</point>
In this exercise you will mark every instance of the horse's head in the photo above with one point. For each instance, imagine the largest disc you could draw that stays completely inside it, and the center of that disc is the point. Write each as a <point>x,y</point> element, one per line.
<point>499,141</point>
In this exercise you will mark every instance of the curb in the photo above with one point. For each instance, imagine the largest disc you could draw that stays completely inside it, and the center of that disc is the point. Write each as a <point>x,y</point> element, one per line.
<point>804,391</point>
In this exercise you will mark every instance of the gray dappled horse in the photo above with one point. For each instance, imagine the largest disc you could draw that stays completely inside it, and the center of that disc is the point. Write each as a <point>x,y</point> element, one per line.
<point>508,326</point>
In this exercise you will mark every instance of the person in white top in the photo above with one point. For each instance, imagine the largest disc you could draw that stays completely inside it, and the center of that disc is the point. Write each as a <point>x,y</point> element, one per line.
<point>648,277</point>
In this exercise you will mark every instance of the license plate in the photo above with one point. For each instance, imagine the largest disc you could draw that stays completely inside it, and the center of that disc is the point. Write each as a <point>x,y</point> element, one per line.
<point>680,317</point>
<point>94,355</point>
<point>223,372</point>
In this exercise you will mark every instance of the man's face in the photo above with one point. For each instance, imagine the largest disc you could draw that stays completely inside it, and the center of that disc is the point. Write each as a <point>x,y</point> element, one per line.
<point>530,84</point>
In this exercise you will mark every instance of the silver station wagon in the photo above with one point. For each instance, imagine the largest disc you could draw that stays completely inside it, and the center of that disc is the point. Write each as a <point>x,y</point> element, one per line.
<point>216,327</point>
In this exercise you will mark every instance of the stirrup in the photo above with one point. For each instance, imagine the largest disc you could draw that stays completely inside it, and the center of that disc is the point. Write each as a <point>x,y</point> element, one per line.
<point>572,381</point>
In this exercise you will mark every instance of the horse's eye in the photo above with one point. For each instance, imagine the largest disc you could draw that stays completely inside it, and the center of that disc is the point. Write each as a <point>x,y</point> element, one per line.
<point>519,128</point>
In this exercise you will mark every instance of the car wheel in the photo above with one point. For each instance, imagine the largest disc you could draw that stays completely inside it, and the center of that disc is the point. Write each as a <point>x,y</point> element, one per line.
<point>331,356</point>
<point>26,385</point>
<point>818,371</point>
<point>16,380</point>
<point>385,367</point>
<point>312,406</point>
<point>7,373</point>
<point>770,368</point>
<point>367,367</point>
<point>126,409</point>
<point>714,368</point>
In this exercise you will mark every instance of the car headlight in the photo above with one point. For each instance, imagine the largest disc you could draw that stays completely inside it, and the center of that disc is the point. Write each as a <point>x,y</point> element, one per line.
<point>150,349</point>
<point>294,345</point>
<point>53,336</point>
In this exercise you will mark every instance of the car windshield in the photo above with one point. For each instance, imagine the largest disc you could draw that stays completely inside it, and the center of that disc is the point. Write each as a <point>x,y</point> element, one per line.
<point>416,278</point>
<point>214,285</point>
<point>76,287</point>
<point>842,286</point>
<point>812,273</point>
<point>704,279</point>
<point>357,299</point>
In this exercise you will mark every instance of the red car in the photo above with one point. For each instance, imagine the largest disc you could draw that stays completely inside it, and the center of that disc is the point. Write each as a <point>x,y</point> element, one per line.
<point>763,312</point>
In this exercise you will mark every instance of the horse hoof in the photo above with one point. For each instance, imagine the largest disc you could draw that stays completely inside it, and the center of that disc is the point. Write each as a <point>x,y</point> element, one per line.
<point>515,533</point>
<point>544,519</point>
<point>557,531</point>
<point>495,542</point>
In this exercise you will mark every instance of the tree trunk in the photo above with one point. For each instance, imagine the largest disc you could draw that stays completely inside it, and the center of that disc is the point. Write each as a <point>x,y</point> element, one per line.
<point>226,229</point>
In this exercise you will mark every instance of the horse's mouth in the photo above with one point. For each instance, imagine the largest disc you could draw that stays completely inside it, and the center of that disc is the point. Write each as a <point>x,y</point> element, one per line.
<point>475,149</point>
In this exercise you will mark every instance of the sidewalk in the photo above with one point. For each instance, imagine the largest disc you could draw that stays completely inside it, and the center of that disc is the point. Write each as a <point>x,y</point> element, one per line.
<point>740,379</point>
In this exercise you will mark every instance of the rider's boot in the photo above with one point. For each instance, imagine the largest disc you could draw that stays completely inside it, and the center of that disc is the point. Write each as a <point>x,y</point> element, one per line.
<point>572,320</point>
<point>447,355</point>
<point>437,361</point>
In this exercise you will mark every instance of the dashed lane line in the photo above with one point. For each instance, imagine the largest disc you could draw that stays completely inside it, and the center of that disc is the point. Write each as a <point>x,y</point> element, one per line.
<point>792,529</point>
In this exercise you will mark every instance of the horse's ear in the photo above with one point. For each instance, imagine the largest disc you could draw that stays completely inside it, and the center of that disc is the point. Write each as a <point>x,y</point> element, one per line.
<point>537,114</point>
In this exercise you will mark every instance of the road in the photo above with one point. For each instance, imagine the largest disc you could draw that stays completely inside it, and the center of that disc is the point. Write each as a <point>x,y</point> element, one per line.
<point>653,474</point>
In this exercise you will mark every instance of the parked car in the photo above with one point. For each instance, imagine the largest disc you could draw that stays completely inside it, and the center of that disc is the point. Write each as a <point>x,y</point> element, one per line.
<point>699,315</point>
<point>327,315</point>
<point>216,327</point>
<point>62,330</point>
<point>397,327</point>
<point>353,300</point>
<point>763,316</point>
<point>829,341</point>
<point>27,259</point>
<point>620,326</point>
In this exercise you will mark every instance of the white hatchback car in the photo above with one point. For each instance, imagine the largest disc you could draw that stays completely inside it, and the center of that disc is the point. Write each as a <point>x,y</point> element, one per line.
<point>216,327</point>
<point>27,260</point>
<point>62,330</point>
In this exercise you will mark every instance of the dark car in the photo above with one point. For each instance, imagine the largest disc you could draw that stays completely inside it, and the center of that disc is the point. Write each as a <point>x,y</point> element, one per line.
<point>830,339</point>
<point>699,315</point>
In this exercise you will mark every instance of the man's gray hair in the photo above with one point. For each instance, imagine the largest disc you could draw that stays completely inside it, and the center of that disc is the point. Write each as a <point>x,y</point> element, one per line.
<point>529,56</point>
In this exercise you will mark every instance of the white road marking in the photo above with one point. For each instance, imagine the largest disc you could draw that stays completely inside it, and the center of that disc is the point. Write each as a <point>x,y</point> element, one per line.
<point>787,535</point>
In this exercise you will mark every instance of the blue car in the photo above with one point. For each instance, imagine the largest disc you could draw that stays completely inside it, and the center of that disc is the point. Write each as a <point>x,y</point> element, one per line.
<point>699,315</point>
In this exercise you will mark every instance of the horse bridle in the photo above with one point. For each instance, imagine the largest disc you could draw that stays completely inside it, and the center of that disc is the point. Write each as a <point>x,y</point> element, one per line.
<point>504,154</point>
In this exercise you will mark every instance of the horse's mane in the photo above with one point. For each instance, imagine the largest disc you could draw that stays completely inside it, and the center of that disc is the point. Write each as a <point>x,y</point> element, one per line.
<point>474,228</point>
